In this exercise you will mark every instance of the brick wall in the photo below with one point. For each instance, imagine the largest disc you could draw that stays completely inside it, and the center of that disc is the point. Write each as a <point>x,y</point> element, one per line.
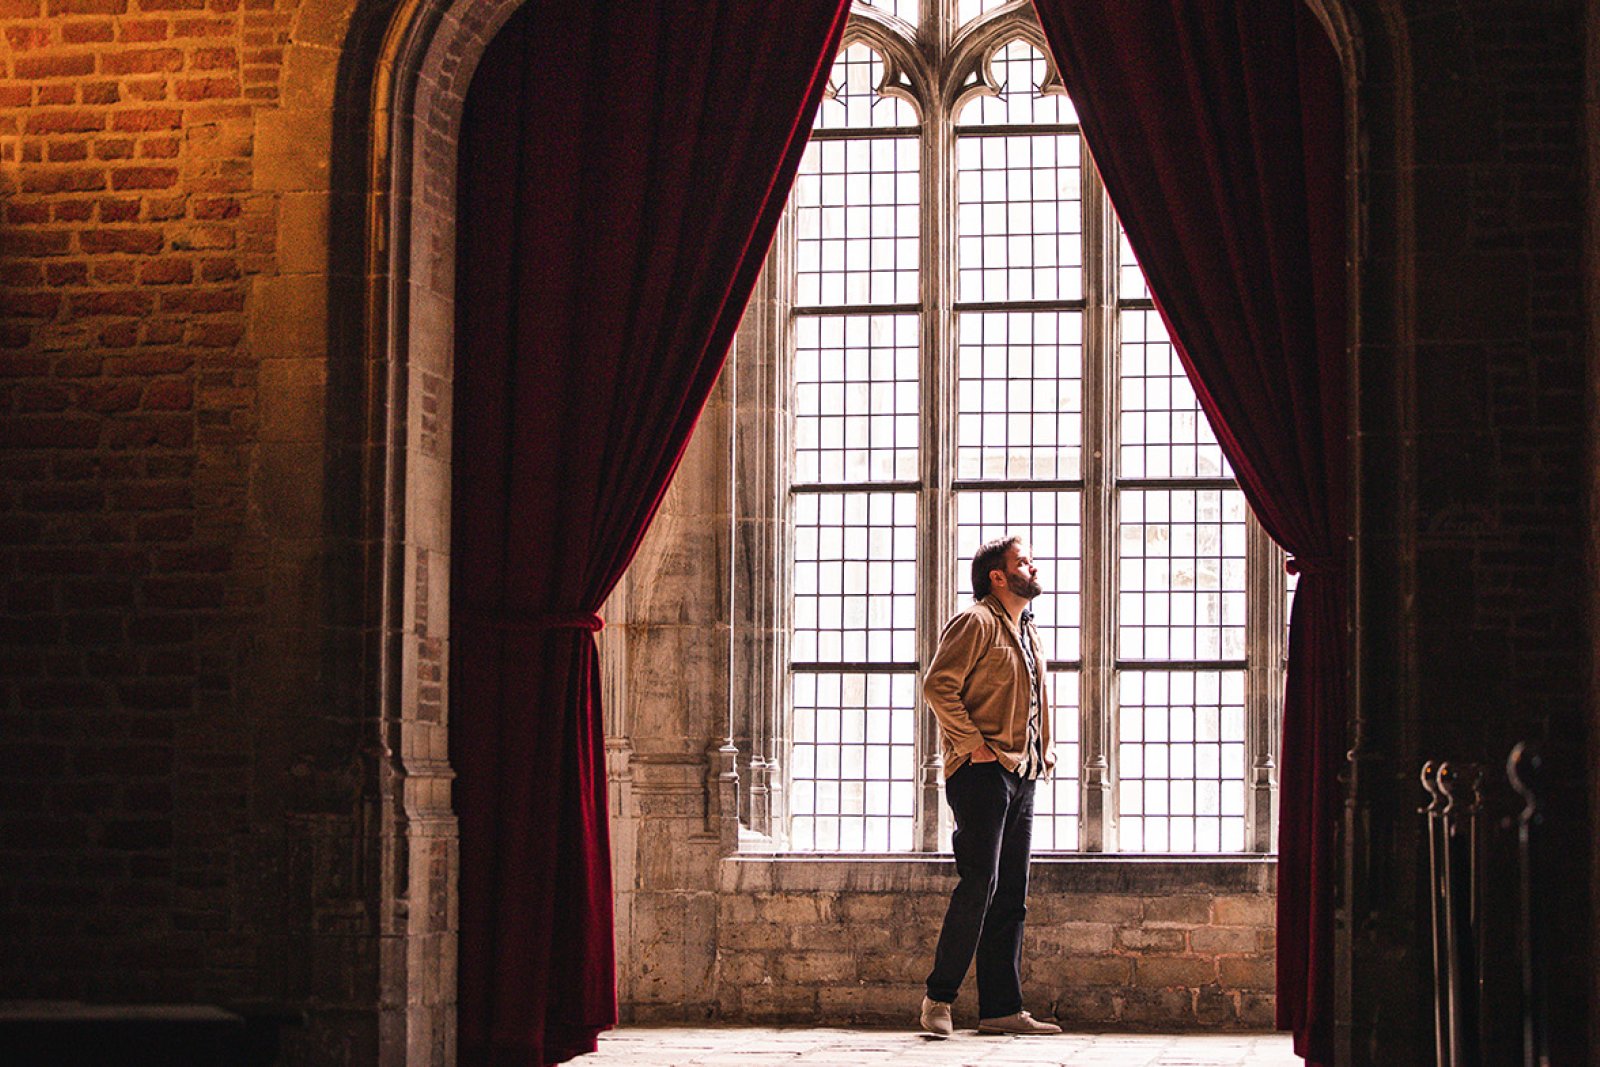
<point>188,749</point>
<point>1474,531</point>
<point>128,404</point>
<point>177,788</point>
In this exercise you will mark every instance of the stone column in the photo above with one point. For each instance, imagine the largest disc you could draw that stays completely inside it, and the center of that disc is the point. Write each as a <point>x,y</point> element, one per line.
<point>674,710</point>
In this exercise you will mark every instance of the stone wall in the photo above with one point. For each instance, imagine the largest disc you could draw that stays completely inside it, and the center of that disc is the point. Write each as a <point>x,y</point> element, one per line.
<point>1119,944</point>
<point>707,933</point>
<point>201,796</point>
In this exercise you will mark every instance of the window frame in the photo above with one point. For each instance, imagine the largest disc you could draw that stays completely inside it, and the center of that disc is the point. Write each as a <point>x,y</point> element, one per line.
<point>761,389</point>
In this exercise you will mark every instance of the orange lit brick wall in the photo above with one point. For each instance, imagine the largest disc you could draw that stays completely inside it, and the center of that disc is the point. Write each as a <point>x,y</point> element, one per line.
<point>172,770</point>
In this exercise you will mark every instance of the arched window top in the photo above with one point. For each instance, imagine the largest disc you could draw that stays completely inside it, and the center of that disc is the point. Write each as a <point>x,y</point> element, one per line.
<point>855,97</point>
<point>969,351</point>
<point>1021,90</point>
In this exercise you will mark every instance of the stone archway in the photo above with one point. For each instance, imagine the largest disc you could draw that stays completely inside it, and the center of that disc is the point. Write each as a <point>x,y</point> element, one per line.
<point>402,85</point>
<point>401,89</point>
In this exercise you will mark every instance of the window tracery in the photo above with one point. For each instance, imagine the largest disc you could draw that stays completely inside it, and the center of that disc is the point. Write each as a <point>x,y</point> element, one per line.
<point>960,345</point>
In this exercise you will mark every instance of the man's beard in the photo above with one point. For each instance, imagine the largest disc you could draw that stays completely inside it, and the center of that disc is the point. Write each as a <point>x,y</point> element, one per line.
<point>1026,588</point>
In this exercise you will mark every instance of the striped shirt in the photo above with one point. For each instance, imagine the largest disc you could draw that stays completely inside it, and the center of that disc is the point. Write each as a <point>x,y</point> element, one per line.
<point>1032,765</point>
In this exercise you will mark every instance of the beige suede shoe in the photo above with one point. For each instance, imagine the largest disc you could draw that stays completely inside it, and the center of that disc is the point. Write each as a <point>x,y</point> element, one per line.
<point>936,1018</point>
<point>1020,1023</point>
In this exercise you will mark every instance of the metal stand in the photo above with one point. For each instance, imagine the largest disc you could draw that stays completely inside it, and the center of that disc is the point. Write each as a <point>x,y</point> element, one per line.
<point>1455,802</point>
<point>1436,847</point>
<point>1524,768</point>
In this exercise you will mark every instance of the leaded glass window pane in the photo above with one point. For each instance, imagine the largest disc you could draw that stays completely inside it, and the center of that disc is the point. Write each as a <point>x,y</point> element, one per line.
<point>1019,395</point>
<point>1164,432</point>
<point>1130,276</point>
<point>1019,217</point>
<point>967,10</point>
<point>1181,574</point>
<point>909,11</point>
<point>855,577</point>
<point>856,399</point>
<point>966,350</point>
<point>1051,522</point>
<point>1181,760</point>
<point>856,219</point>
<point>852,761</point>
<point>1019,70</point>
<point>852,100</point>
<point>1055,800</point>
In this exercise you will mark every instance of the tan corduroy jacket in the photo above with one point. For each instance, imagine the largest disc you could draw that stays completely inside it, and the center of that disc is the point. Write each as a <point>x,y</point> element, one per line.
<point>978,687</point>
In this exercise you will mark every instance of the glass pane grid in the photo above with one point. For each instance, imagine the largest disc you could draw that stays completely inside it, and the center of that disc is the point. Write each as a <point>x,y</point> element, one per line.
<point>1130,276</point>
<point>1181,574</point>
<point>852,762</point>
<point>855,577</point>
<point>1291,583</point>
<point>1051,522</point>
<point>1019,217</point>
<point>856,398</point>
<point>1019,395</point>
<point>1020,70</point>
<point>852,100</point>
<point>967,10</point>
<point>1055,800</point>
<point>1180,583</point>
<point>1164,432</point>
<point>856,221</point>
<point>1181,761</point>
<point>909,10</point>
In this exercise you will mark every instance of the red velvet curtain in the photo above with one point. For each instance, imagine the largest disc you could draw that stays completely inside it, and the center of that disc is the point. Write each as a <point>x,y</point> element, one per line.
<point>1219,130</point>
<point>623,166</point>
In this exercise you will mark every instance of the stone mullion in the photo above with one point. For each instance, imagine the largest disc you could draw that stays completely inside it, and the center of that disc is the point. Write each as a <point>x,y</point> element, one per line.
<point>1265,647</point>
<point>936,538</point>
<point>760,588</point>
<point>1097,813</point>
<point>779,389</point>
<point>612,647</point>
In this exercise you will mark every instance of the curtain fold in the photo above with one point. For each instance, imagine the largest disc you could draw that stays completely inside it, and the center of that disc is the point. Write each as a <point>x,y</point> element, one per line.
<point>623,167</point>
<point>1219,131</point>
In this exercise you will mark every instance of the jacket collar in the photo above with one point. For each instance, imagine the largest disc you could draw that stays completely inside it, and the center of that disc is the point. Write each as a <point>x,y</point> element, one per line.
<point>992,602</point>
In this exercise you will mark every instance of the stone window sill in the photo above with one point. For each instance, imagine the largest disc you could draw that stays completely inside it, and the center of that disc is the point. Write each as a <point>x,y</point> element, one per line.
<point>1060,872</point>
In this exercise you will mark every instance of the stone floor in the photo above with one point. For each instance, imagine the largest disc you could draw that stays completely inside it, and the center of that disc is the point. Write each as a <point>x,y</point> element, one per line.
<point>757,1046</point>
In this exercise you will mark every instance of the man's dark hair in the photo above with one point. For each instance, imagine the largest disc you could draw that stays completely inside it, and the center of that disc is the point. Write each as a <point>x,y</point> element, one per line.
<point>992,556</point>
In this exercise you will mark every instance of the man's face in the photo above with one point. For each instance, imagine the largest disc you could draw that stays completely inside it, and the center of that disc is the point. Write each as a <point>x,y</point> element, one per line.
<point>1021,576</point>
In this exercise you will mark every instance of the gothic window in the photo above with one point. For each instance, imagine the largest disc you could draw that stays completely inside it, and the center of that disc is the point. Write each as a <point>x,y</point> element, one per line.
<point>957,344</point>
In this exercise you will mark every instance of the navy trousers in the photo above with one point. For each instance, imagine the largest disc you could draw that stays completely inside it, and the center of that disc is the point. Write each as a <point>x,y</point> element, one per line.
<point>994,832</point>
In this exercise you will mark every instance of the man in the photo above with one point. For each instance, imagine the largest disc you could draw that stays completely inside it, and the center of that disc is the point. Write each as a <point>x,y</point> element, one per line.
<point>986,686</point>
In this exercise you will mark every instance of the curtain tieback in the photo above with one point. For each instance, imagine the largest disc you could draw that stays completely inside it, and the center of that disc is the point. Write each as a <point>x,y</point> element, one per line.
<point>1313,565</point>
<point>555,620</point>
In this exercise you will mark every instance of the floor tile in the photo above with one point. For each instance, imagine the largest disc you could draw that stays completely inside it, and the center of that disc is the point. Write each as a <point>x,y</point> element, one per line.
<point>665,1046</point>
